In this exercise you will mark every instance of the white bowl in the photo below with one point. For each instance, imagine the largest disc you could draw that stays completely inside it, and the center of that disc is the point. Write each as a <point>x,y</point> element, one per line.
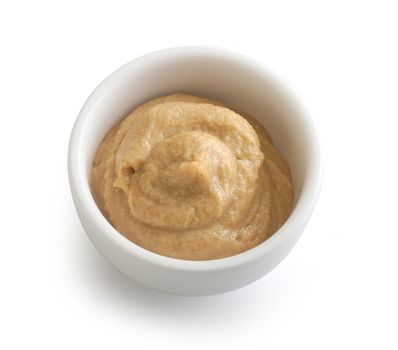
<point>242,84</point>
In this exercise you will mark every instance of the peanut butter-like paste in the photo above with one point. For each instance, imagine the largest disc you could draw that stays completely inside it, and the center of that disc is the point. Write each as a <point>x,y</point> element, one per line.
<point>188,178</point>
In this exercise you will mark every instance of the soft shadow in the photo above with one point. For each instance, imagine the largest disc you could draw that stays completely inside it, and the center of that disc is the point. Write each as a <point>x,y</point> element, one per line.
<point>98,278</point>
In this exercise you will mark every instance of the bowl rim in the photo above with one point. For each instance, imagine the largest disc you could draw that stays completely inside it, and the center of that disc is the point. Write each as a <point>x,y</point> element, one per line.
<point>82,195</point>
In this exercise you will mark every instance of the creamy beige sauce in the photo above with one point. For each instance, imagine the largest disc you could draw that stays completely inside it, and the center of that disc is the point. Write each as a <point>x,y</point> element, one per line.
<point>188,178</point>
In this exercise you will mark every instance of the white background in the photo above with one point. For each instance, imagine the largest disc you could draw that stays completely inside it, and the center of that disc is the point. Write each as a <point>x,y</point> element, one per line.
<point>338,289</point>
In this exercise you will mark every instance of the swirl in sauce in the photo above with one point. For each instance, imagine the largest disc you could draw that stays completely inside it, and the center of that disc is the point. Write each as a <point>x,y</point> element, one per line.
<point>185,177</point>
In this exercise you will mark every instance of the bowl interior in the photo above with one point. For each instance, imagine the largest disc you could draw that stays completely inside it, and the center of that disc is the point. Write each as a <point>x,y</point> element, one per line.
<point>239,83</point>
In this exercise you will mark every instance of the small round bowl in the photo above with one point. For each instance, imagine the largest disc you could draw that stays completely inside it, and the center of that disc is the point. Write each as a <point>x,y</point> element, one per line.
<point>243,85</point>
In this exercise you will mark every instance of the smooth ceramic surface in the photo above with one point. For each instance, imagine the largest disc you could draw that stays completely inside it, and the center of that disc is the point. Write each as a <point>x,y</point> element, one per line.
<point>242,84</point>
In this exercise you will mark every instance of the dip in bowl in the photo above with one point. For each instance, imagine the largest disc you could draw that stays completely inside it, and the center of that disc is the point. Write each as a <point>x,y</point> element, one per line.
<point>240,84</point>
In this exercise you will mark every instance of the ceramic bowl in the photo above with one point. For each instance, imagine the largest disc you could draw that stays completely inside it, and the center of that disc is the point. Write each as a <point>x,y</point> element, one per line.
<point>242,84</point>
